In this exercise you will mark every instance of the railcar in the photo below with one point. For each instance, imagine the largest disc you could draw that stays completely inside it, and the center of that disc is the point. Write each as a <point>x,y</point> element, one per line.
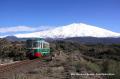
<point>37,48</point>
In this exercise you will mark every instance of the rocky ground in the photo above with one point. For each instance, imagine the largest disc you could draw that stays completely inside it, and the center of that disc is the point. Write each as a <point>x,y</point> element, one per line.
<point>62,66</point>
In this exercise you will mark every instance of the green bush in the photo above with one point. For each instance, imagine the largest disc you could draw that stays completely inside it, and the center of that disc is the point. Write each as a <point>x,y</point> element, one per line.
<point>114,67</point>
<point>93,66</point>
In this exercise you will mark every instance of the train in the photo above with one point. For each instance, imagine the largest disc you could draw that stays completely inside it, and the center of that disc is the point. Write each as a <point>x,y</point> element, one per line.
<point>37,48</point>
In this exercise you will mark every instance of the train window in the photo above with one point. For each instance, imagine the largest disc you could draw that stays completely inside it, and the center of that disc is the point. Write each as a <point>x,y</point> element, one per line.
<point>45,45</point>
<point>35,44</point>
<point>29,44</point>
<point>38,44</point>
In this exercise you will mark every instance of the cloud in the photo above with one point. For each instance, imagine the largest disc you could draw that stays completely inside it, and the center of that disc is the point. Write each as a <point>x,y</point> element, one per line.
<point>16,29</point>
<point>2,36</point>
<point>23,29</point>
<point>11,31</point>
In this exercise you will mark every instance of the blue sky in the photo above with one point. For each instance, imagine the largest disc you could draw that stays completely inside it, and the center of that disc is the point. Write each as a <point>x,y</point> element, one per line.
<point>50,13</point>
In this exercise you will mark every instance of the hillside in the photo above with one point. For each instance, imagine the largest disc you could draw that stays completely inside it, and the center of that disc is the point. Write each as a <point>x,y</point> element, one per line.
<point>82,40</point>
<point>79,58</point>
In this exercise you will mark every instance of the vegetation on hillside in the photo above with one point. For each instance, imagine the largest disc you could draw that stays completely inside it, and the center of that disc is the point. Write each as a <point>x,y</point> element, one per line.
<point>95,58</point>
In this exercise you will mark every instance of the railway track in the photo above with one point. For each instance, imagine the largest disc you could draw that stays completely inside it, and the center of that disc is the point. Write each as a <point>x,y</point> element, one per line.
<point>21,66</point>
<point>8,67</point>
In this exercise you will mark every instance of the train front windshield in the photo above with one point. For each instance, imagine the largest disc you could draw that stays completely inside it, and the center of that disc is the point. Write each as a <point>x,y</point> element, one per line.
<point>29,44</point>
<point>37,44</point>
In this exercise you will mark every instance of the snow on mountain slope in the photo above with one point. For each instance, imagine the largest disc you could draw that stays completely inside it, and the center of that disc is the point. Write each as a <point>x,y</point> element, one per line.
<point>72,30</point>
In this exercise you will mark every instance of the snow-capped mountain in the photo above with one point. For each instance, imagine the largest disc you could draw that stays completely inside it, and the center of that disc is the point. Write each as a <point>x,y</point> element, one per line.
<point>72,30</point>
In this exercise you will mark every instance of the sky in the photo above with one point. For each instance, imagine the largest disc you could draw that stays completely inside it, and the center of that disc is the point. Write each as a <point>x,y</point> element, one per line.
<point>24,16</point>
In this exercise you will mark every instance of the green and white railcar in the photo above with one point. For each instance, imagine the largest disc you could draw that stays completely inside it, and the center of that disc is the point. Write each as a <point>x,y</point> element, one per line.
<point>37,48</point>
